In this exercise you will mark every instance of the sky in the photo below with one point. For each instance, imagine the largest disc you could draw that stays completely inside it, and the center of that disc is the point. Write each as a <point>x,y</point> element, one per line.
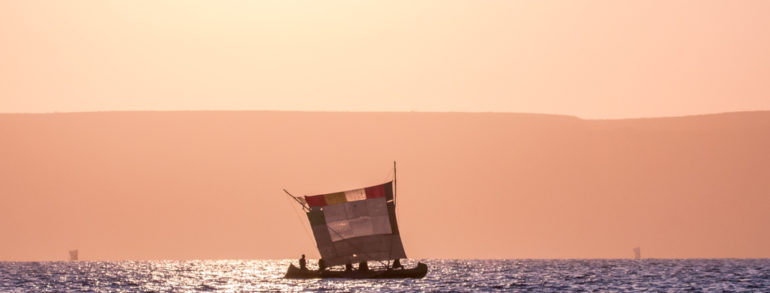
<point>592,59</point>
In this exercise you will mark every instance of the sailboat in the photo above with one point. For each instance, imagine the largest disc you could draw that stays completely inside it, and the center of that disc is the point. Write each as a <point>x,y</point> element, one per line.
<point>356,226</point>
<point>74,254</point>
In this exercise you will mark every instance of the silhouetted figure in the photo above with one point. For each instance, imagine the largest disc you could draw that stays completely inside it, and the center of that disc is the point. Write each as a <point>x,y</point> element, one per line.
<point>363,267</point>
<point>302,263</point>
<point>348,267</point>
<point>321,265</point>
<point>397,264</point>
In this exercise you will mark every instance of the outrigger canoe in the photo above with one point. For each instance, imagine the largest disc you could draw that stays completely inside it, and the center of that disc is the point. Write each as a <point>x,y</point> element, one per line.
<point>418,272</point>
<point>356,226</point>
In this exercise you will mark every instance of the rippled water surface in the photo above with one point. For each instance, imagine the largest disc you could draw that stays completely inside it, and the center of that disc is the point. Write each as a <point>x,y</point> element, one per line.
<point>445,275</point>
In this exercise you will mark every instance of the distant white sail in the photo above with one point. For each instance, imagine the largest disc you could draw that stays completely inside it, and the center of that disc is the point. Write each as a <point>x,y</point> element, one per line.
<point>74,254</point>
<point>356,225</point>
<point>637,253</point>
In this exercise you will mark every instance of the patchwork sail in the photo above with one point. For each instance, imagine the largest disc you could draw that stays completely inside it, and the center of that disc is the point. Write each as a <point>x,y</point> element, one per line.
<point>353,227</point>
<point>356,225</point>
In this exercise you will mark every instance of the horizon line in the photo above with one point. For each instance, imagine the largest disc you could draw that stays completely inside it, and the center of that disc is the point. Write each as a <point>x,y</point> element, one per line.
<point>392,112</point>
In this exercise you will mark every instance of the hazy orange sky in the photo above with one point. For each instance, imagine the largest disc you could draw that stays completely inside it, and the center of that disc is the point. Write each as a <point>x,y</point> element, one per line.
<point>593,59</point>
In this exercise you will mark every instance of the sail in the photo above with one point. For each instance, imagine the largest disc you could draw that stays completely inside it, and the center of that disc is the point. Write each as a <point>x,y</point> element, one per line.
<point>74,254</point>
<point>356,225</point>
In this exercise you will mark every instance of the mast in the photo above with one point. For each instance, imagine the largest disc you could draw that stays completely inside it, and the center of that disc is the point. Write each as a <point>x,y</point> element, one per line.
<point>395,186</point>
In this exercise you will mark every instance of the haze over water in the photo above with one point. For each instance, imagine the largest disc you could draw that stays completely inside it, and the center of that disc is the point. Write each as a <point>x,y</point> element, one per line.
<point>189,185</point>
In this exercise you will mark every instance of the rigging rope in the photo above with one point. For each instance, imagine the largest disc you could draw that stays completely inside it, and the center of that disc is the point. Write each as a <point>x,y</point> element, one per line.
<point>299,219</point>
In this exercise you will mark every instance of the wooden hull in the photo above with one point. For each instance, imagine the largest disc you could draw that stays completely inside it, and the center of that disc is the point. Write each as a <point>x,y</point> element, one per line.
<point>418,272</point>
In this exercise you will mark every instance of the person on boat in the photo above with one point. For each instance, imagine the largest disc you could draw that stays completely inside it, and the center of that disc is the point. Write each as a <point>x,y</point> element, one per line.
<point>397,264</point>
<point>348,267</point>
<point>363,267</point>
<point>302,263</point>
<point>321,265</point>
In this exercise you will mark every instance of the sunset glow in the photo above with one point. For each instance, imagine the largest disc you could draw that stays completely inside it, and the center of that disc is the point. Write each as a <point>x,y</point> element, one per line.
<point>592,59</point>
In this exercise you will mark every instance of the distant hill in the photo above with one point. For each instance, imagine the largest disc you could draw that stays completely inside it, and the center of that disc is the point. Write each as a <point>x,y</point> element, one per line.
<point>192,185</point>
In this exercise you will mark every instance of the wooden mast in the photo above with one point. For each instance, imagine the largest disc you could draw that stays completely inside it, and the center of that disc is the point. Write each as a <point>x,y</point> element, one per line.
<point>395,186</point>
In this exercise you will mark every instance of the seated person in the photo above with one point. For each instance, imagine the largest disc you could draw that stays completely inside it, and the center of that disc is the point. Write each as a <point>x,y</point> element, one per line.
<point>321,265</point>
<point>363,267</point>
<point>397,264</point>
<point>302,263</point>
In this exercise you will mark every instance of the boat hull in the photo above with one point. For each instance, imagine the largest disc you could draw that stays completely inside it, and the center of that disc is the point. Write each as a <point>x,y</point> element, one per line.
<point>418,272</point>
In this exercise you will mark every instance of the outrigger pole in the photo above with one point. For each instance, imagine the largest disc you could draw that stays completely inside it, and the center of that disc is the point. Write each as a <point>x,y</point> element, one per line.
<point>304,207</point>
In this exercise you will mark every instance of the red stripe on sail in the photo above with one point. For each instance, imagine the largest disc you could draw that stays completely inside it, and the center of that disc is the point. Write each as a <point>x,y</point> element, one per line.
<point>316,200</point>
<point>375,191</point>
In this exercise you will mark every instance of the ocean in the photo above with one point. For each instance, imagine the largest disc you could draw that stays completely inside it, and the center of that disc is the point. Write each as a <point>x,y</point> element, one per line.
<point>600,275</point>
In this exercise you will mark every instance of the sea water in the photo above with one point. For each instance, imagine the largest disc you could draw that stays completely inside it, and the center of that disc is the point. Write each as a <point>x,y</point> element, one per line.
<point>655,275</point>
